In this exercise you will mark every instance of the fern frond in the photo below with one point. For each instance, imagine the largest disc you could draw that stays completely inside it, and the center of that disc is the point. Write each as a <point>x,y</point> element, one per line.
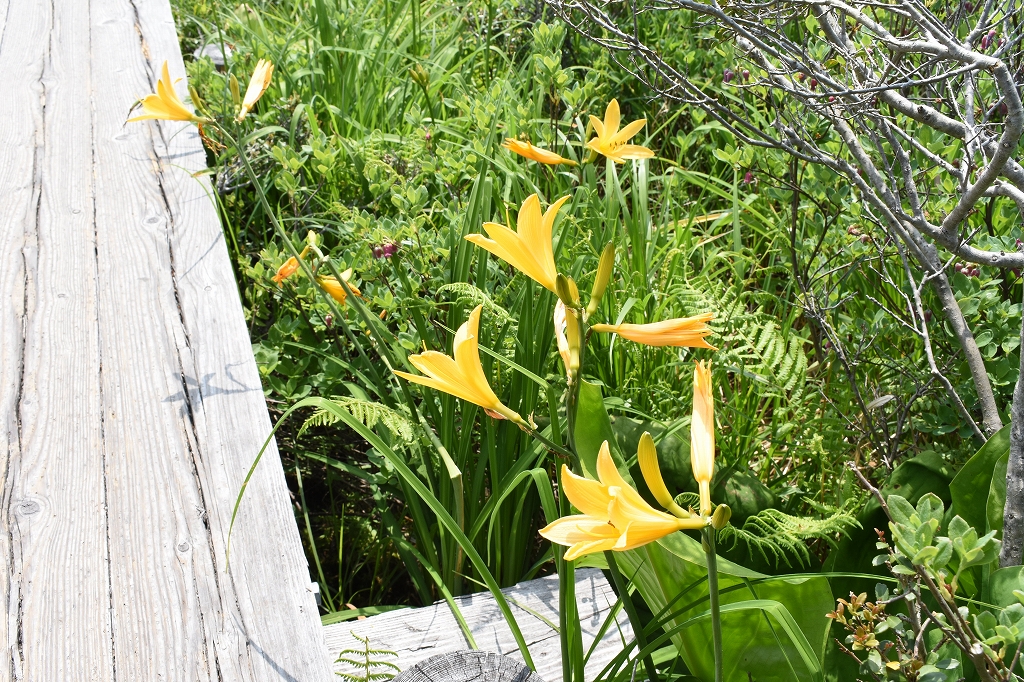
<point>779,536</point>
<point>467,294</point>
<point>368,663</point>
<point>369,413</point>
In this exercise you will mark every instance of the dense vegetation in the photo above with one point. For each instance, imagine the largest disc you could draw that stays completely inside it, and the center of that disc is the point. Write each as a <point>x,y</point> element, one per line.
<point>381,133</point>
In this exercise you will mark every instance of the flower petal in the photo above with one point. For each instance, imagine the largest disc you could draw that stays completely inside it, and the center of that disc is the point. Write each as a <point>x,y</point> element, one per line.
<point>611,119</point>
<point>647,457</point>
<point>633,151</point>
<point>467,358</point>
<point>570,530</point>
<point>590,497</point>
<point>583,548</point>
<point>629,131</point>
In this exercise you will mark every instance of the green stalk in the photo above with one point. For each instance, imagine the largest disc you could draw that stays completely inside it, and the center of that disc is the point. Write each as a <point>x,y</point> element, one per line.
<point>708,535</point>
<point>634,619</point>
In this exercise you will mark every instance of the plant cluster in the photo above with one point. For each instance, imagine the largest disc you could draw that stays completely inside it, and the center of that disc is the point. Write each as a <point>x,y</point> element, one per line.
<point>398,182</point>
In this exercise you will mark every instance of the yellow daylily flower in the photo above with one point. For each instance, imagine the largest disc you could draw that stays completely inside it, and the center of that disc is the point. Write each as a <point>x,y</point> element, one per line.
<point>614,516</point>
<point>702,434</point>
<point>527,150</point>
<point>165,104</point>
<point>528,247</point>
<point>462,376</point>
<point>682,331</point>
<point>258,84</point>
<point>290,267</point>
<point>611,142</point>
<point>335,288</point>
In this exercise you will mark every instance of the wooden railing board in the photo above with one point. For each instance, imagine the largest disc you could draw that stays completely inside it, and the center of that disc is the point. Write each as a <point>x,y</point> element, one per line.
<point>55,549</point>
<point>417,634</point>
<point>129,397</point>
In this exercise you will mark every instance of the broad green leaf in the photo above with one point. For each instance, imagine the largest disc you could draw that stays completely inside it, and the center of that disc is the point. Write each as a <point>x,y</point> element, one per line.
<point>671,575</point>
<point>593,428</point>
<point>970,487</point>
<point>996,502</point>
<point>1001,585</point>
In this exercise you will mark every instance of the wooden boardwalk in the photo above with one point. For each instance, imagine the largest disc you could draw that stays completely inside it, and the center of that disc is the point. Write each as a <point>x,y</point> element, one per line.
<point>130,403</point>
<point>414,635</point>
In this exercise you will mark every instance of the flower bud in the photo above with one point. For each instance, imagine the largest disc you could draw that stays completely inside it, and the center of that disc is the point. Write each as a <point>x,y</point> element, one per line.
<point>567,291</point>
<point>572,333</point>
<point>236,96</point>
<point>721,517</point>
<point>604,275</point>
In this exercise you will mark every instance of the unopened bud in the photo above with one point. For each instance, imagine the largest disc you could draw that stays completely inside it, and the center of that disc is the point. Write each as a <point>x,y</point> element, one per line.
<point>196,102</point>
<point>720,519</point>
<point>567,291</point>
<point>236,96</point>
<point>604,275</point>
<point>572,333</point>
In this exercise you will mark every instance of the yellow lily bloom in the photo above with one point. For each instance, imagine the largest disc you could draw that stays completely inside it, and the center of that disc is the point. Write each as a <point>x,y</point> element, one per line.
<point>611,142</point>
<point>614,516</point>
<point>681,331</point>
<point>333,287</point>
<point>461,376</point>
<point>527,150</point>
<point>258,84</point>
<point>165,104</point>
<point>702,434</point>
<point>528,248</point>
<point>290,267</point>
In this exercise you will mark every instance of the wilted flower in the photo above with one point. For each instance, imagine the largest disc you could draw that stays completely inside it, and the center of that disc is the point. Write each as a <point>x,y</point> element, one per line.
<point>683,331</point>
<point>527,150</point>
<point>336,289</point>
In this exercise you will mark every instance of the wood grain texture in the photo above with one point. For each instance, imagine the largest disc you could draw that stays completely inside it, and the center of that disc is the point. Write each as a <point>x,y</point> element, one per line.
<point>130,402</point>
<point>57,522</point>
<point>469,666</point>
<point>416,634</point>
<point>21,133</point>
<point>228,409</point>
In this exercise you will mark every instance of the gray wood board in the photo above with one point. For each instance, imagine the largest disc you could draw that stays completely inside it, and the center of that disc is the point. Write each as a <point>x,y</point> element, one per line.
<point>417,634</point>
<point>130,402</point>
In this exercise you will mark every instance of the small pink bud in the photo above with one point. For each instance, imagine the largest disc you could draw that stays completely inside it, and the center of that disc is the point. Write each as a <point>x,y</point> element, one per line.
<point>329,320</point>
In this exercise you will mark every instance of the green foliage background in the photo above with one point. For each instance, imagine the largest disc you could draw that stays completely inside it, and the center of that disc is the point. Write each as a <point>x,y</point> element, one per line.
<point>383,127</point>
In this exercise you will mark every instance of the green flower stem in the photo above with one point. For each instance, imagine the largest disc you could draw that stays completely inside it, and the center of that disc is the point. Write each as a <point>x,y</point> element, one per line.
<point>708,535</point>
<point>634,619</point>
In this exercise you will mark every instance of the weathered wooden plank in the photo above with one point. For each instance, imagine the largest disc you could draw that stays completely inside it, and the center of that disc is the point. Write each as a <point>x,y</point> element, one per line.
<point>164,593</point>
<point>189,408</point>
<point>57,596</point>
<point>417,634</point>
<point>21,116</point>
<point>269,573</point>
